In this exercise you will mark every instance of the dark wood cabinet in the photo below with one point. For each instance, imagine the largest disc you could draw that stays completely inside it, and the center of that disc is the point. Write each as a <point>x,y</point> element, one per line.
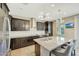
<point>40,26</point>
<point>0,5</point>
<point>46,27</point>
<point>51,28</point>
<point>37,49</point>
<point>22,42</point>
<point>47,24</point>
<point>20,25</point>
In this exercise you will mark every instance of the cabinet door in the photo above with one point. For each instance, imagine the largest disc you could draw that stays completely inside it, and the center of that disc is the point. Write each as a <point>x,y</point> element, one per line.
<point>26,25</point>
<point>40,26</point>
<point>0,5</point>
<point>20,25</point>
<point>23,42</point>
<point>15,43</point>
<point>46,27</point>
<point>17,25</point>
<point>37,49</point>
<point>13,28</point>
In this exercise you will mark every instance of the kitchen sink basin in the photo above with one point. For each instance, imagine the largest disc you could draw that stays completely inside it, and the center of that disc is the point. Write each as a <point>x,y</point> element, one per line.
<point>47,39</point>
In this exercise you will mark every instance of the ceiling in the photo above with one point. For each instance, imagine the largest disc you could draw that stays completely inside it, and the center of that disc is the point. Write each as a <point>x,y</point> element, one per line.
<point>34,9</point>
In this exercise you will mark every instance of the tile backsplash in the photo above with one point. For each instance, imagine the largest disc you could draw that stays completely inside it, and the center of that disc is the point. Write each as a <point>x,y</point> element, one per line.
<point>16,34</point>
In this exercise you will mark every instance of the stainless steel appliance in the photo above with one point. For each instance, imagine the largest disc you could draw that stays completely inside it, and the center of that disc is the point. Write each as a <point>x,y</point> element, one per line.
<point>4,34</point>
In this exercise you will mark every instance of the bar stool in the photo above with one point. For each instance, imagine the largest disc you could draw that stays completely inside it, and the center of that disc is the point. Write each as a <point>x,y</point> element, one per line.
<point>66,49</point>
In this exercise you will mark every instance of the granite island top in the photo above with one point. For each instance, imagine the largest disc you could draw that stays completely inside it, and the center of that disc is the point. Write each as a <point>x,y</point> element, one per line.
<point>51,43</point>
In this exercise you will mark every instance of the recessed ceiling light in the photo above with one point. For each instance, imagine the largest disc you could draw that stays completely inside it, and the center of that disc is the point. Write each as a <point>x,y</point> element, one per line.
<point>52,5</point>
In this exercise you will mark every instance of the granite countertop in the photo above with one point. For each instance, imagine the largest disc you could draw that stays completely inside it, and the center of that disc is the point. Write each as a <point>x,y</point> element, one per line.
<point>51,43</point>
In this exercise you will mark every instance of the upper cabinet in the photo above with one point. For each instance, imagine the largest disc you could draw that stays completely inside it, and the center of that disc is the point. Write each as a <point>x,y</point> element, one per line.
<point>49,28</point>
<point>20,24</point>
<point>40,26</point>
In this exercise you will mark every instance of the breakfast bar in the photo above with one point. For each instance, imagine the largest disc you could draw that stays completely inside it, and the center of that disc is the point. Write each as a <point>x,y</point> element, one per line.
<point>45,45</point>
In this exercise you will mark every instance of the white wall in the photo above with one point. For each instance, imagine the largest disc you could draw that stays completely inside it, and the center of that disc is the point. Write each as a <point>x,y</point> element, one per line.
<point>69,33</point>
<point>77,31</point>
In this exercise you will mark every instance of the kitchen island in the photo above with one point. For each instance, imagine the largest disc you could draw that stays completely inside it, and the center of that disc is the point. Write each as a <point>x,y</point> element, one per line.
<point>43,46</point>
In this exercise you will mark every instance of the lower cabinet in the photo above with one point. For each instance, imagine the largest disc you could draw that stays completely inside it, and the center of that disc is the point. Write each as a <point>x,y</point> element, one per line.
<point>37,49</point>
<point>21,42</point>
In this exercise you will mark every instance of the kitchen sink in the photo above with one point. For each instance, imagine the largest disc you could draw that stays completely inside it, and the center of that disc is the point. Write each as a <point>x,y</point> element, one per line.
<point>46,39</point>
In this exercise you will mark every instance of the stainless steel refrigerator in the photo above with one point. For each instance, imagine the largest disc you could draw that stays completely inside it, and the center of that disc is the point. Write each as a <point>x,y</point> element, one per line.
<point>4,34</point>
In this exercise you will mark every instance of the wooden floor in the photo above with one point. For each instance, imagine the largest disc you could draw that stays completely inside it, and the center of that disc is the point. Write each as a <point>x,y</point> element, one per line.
<point>26,51</point>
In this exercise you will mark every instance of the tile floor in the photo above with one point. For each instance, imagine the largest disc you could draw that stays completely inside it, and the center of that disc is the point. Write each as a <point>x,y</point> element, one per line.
<point>26,51</point>
<point>29,51</point>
